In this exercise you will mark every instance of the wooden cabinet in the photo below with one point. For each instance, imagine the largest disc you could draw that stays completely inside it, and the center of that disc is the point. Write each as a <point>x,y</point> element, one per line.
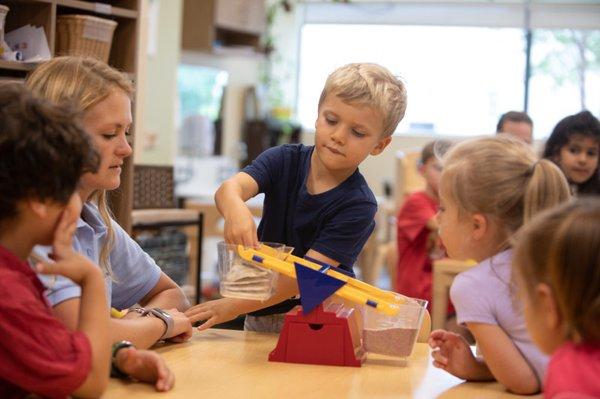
<point>123,56</point>
<point>223,25</point>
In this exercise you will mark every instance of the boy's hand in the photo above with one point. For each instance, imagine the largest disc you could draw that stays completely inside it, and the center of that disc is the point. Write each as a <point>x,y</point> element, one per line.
<point>68,262</point>
<point>240,227</point>
<point>214,312</point>
<point>452,353</point>
<point>146,366</point>
<point>182,327</point>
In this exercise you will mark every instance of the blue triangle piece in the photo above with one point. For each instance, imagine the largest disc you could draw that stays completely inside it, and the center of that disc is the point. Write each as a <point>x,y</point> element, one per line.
<point>314,286</point>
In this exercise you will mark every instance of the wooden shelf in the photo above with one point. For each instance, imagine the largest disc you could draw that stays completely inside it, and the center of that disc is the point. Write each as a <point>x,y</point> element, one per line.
<point>123,56</point>
<point>17,66</point>
<point>228,27</point>
<point>98,8</point>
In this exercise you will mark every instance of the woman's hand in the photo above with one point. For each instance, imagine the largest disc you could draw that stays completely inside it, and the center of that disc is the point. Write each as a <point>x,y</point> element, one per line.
<point>182,327</point>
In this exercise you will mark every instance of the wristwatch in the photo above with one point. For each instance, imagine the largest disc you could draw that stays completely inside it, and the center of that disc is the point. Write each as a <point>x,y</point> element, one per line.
<point>114,369</point>
<point>166,318</point>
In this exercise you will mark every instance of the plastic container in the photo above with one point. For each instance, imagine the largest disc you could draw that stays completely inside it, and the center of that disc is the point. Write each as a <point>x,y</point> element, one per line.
<point>3,11</point>
<point>393,335</point>
<point>84,35</point>
<point>242,279</point>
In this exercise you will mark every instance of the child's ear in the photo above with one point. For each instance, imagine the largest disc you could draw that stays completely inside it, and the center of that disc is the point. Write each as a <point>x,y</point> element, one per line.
<point>39,208</point>
<point>480,225</point>
<point>384,142</point>
<point>547,305</point>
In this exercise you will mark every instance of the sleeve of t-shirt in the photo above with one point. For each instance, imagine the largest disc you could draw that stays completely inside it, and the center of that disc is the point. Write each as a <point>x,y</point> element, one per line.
<point>38,353</point>
<point>413,217</point>
<point>266,168</point>
<point>135,273</point>
<point>344,236</point>
<point>58,288</point>
<point>473,303</point>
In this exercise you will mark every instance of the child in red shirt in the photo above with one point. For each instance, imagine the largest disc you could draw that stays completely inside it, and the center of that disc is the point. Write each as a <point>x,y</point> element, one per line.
<point>557,270</point>
<point>417,238</point>
<point>43,152</point>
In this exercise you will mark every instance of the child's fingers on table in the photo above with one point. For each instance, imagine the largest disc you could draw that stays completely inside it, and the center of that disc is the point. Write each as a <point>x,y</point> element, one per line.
<point>206,314</point>
<point>203,307</point>
<point>208,323</point>
<point>437,334</point>
<point>439,365</point>
<point>167,382</point>
<point>438,357</point>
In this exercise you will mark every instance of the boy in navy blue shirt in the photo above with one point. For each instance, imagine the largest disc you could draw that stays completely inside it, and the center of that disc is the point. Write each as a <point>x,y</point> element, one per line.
<point>316,200</point>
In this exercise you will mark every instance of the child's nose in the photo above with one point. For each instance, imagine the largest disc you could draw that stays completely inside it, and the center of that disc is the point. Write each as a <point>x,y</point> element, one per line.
<point>338,135</point>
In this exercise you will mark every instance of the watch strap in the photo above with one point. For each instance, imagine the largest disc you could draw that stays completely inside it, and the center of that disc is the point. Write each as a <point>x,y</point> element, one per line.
<point>166,318</point>
<point>115,372</point>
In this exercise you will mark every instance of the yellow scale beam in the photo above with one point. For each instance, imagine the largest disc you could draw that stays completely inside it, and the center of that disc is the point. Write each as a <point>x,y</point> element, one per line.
<point>354,290</point>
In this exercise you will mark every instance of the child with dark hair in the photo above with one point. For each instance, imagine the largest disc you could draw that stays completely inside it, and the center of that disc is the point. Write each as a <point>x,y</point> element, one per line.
<point>43,153</point>
<point>574,146</point>
<point>557,269</point>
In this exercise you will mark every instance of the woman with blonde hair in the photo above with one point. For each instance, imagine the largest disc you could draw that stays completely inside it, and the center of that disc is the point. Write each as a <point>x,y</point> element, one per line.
<point>132,277</point>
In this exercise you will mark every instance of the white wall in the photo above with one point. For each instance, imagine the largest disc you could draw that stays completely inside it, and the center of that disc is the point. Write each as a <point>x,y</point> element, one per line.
<point>155,141</point>
<point>243,71</point>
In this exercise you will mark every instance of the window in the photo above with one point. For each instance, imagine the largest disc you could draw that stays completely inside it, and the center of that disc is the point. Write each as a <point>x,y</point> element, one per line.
<point>464,62</point>
<point>565,75</point>
<point>459,79</point>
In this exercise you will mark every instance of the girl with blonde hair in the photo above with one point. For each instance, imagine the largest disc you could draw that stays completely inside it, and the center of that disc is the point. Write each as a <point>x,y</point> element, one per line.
<point>490,187</point>
<point>104,96</point>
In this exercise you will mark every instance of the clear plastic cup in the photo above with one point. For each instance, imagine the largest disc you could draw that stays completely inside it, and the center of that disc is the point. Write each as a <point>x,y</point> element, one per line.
<point>241,279</point>
<point>393,335</point>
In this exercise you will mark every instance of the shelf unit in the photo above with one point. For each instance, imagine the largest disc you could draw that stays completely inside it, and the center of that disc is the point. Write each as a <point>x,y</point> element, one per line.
<point>123,56</point>
<point>223,26</point>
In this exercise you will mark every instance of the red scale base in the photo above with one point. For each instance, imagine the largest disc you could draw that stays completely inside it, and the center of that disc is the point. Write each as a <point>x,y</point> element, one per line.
<point>329,337</point>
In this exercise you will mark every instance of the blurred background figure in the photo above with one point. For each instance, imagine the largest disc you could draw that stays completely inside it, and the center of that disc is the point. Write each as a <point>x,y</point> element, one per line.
<point>518,124</point>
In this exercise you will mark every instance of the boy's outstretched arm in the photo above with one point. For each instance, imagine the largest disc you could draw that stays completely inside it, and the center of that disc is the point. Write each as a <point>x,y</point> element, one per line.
<point>225,309</point>
<point>231,200</point>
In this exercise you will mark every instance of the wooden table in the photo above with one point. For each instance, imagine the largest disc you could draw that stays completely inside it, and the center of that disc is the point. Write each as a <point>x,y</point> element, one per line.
<point>444,271</point>
<point>233,364</point>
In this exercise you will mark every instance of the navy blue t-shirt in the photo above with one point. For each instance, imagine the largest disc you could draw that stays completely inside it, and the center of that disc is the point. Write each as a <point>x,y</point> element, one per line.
<point>335,223</point>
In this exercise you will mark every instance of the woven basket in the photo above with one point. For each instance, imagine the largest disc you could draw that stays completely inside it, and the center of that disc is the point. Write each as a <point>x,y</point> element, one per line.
<point>84,35</point>
<point>153,187</point>
<point>3,12</point>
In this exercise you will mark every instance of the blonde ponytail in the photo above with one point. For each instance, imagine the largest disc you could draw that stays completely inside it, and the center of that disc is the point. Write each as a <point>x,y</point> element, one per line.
<point>547,187</point>
<point>501,177</point>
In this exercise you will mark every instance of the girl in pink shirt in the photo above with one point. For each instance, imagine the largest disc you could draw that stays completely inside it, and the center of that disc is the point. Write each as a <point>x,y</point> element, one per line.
<point>557,269</point>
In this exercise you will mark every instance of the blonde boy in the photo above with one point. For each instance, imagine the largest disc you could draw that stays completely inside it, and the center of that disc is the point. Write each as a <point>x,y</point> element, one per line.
<point>316,200</point>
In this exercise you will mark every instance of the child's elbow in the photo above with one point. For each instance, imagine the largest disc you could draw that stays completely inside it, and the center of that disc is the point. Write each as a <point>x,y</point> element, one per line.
<point>523,386</point>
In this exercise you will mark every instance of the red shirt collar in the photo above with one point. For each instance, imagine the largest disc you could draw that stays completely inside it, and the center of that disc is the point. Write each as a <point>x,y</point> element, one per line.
<point>11,261</point>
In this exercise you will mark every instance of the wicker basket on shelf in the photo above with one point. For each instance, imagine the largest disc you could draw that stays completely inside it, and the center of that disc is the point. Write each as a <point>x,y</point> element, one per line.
<point>3,11</point>
<point>84,35</point>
